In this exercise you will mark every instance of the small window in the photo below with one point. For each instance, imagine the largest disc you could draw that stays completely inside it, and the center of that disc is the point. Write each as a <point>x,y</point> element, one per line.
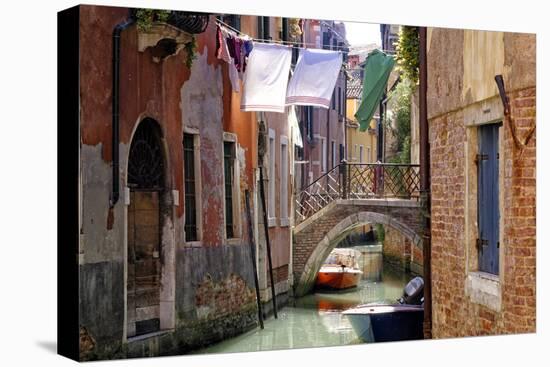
<point>260,23</point>
<point>229,177</point>
<point>326,40</point>
<point>342,152</point>
<point>271,194</point>
<point>266,28</point>
<point>284,30</point>
<point>369,157</point>
<point>323,155</point>
<point>189,168</point>
<point>333,148</point>
<point>284,181</point>
<point>360,154</point>
<point>339,101</point>
<point>298,153</point>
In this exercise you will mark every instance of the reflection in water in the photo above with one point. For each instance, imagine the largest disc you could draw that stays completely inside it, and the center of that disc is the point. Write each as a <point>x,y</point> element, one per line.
<point>315,320</point>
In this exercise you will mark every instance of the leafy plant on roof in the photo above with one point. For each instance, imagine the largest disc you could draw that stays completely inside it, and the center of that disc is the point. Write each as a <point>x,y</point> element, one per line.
<point>146,17</point>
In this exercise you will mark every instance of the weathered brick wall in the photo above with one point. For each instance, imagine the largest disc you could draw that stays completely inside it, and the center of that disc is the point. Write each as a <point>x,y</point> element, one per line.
<point>417,260</point>
<point>396,248</point>
<point>400,252</point>
<point>219,299</point>
<point>520,220</point>
<point>454,314</point>
<point>280,274</point>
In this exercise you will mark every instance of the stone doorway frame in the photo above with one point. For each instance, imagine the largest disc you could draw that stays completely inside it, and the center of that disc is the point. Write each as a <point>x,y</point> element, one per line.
<point>167,287</point>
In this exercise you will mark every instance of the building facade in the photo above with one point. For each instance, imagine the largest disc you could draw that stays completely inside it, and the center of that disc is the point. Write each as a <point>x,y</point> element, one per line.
<point>361,146</point>
<point>165,253</point>
<point>482,182</point>
<point>323,130</point>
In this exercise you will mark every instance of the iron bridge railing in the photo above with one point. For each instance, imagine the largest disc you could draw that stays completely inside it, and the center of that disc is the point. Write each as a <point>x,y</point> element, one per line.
<point>358,181</point>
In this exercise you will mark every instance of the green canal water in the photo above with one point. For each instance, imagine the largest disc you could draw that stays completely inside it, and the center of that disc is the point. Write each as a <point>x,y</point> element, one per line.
<point>315,320</point>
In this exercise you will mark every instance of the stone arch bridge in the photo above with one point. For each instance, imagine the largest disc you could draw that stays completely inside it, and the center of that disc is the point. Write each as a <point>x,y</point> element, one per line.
<point>346,197</point>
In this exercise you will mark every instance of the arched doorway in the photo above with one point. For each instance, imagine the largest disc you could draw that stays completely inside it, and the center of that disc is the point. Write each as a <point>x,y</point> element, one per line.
<point>146,167</point>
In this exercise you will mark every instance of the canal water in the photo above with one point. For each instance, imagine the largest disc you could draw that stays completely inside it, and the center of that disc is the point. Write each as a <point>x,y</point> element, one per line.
<point>315,320</point>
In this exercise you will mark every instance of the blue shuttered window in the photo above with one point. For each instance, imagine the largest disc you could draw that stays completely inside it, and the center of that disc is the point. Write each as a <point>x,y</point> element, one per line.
<point>488,242</point>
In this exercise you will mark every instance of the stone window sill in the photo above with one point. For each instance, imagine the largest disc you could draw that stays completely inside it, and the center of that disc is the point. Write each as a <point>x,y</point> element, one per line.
<point>234,241</point>
<point>193,244</point>
<point>272,222</point>
<point>484,289</point>
<point>285,222</point>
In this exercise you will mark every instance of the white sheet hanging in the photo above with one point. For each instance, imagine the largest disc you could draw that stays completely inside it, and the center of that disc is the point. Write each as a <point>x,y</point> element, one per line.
<point>314,78</point>
<point>266,78</point>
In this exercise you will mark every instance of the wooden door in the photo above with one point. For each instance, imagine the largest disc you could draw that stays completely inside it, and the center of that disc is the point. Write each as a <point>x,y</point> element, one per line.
<point>143,263</point>
<point>146,182</point>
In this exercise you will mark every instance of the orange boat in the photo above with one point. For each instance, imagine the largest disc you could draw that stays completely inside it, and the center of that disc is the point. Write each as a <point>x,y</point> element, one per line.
<point>340,270</point>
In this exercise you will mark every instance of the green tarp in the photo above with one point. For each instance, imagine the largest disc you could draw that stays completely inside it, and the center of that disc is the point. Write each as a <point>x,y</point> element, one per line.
<point>377,71</point>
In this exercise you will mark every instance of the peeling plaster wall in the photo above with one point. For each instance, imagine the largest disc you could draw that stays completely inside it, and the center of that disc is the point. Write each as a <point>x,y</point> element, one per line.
<point>462,65</point>
<point>202,109</point>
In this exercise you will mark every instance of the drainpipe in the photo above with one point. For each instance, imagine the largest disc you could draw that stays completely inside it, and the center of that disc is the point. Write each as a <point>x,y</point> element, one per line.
<point>425,184</point>
<point>115,108</point>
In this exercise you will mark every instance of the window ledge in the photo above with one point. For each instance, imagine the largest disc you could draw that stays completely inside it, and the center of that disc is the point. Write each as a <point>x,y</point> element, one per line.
<point>233,241</point>
<point>484,289</point>
<point>272,222</point>
<point>285,222</point>
<point>192,244</point>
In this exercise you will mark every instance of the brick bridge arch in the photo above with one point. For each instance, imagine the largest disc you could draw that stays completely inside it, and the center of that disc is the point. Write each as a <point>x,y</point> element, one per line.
<point>316,237</point>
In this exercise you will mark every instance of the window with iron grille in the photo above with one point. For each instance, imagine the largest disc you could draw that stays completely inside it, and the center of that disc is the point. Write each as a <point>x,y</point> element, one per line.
<point>190,187</point>
<point>339,101</point>
<point>229,168</point>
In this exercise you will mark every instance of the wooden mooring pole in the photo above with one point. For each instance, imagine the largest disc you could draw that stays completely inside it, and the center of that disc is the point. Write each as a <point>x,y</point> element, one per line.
<point>268,244</point>
<point>253,257</point>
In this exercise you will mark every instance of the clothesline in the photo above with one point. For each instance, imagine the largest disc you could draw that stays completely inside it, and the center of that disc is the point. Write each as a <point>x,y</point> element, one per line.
<point>346,49</point>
